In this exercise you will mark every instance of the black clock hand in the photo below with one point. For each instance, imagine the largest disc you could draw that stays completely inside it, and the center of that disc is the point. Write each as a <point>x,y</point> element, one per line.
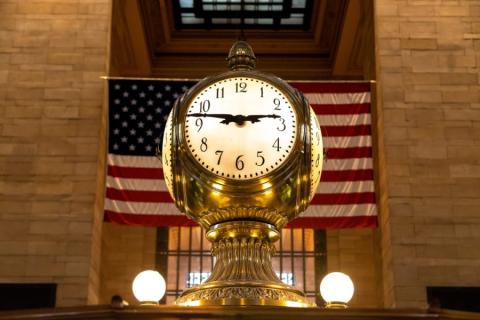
<point>227,117</point>
<point>238,119</point>
<point>256,117</point>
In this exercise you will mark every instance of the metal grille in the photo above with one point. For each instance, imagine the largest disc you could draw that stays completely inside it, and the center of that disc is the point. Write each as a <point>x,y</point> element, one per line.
<point>216,14</point>
<point>186,259</point>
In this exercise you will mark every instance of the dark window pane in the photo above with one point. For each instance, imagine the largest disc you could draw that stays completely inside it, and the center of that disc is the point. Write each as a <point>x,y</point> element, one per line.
<point>27,295</point>
<point>456,298</point>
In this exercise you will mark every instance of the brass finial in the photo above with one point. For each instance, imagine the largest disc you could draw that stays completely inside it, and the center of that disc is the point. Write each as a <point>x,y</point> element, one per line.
<point>241,56</point>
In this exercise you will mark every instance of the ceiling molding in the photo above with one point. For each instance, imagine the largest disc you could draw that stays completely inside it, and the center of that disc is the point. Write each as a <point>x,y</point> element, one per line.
<point>146,43</point>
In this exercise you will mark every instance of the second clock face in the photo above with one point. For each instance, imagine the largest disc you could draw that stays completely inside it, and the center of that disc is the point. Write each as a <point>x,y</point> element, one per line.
<point>240,128</point>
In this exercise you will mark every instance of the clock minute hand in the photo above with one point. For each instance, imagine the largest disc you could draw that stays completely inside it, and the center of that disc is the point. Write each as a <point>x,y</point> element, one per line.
<point>256,117</point>
<point>227,118</point>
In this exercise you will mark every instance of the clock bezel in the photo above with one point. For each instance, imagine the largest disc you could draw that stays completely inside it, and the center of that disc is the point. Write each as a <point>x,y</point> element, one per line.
<point>278,173</point>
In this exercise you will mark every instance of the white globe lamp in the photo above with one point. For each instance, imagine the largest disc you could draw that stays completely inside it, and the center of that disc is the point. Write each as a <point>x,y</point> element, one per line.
<point>149,287</point>
<point>336,289</point>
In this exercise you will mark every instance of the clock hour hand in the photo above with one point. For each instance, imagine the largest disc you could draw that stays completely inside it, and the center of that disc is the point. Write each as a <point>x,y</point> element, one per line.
<point>238,119</point>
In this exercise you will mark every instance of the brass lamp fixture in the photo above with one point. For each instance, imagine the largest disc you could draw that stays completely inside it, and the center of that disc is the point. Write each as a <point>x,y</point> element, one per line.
<point>242,156</point>
<point>149,287</point>
<point>337,290</point>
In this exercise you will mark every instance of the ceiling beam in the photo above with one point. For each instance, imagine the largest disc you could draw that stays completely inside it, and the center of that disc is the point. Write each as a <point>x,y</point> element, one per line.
<point>130,52</point>
<point>351,49</point>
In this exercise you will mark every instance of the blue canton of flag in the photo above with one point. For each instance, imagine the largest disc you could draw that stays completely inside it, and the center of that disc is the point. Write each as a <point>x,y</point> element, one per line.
<point>138,112</point>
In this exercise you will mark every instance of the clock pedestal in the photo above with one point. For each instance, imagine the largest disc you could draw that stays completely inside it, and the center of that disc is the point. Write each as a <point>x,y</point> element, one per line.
<point>243,274</point>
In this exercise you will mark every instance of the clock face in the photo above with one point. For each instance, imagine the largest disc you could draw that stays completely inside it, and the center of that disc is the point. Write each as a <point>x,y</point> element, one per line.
<point>316,148</point>
<point>240,128</point>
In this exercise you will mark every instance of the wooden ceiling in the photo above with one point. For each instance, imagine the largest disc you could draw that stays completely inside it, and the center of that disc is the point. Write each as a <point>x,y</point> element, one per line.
<point>338,45</point>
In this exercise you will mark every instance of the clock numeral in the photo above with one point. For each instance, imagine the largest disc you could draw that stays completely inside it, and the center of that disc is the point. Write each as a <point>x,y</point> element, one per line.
<point>317,162</point>
<point>199,124</point>
<point>318,137</point>
<point>203,145</point>
<point>219,153</point>
<point>259,155</point>
<point>276,144</point>
<point>282,127</point>
<point>220,92</point>
<point>240,87</point>
<point>239,164</point>
<point>276,102</point>
<point>261,92</point>
<point>205,106</point>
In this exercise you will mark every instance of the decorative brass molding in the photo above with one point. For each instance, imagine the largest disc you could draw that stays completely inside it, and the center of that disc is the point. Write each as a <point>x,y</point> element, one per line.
<point>271,216</point>
<point>244,296</point>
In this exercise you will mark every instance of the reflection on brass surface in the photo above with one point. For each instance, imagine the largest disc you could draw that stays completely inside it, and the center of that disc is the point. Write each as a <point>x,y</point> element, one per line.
<point>336,305</point>
<point>215,216</point>
<point>243,295</point>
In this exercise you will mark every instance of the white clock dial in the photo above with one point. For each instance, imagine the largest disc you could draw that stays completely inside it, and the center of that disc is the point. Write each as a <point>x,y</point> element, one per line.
<point>240,128</point>
<point>167,155</point>
<point>317,153</point>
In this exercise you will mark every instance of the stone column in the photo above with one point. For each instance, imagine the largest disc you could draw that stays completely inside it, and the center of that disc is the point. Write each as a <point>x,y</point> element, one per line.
<point>428,56</point>
<point>52,54</point>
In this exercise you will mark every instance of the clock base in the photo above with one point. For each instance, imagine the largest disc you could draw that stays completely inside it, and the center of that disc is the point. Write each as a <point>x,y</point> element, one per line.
<point>243,294</point>
<point>243,273</point>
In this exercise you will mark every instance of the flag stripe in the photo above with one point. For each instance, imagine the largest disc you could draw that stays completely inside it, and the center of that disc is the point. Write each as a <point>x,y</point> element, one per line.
<point>334,222</point>
<point>347,142</point>
<point>150,220</point>
<point>344,119</point>
<point>351,184</point>
<point>139,195</point>
<point>333,165</point>
<point>136,184</point>
<point>343,153</point>
<point>149,163</point>
<point>155,220</point>
<point>169,208</point>
<point>343,198</point>
<point>346,187</point>
<point>347,210</point>
<point>341,109</point>
<point>346,175</point>
<point>134,161</point>
<point>157,173</point>
<point>347,164</point>
<point>337,131</point>
<point>343,98</point>
<point>141,173</point>
<point>324,87</point>
<point>163,196</point>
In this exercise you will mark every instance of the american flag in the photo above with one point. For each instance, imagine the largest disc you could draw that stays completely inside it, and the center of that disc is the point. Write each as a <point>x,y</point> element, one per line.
<point>136,193</point>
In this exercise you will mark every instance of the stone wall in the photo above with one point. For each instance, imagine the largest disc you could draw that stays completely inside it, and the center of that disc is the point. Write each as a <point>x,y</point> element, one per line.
<point>428,57</point>
<point>126,251</point>
<point>52,54</point>
<point>354,252</point>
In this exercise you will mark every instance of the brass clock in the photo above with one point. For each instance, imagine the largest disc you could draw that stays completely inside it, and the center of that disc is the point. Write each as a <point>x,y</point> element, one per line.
<point>242,156</point>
